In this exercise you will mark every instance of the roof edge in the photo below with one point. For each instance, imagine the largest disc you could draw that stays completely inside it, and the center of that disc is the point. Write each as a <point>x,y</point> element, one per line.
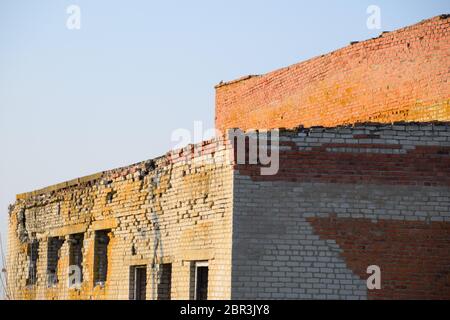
<point>352,43</point>
<point>226,83</point>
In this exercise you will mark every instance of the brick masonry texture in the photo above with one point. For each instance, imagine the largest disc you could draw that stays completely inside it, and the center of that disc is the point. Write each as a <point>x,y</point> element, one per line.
<point>174,209</point>
<point>345,199</point>
<point>413,254</point>
<point>401,75</point>
<point>345,196</point>
<point>308,232</point>
<point>402,154</point>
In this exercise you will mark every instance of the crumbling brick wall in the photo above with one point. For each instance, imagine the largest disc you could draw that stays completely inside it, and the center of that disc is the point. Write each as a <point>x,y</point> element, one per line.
<point>399,76</point>
<point>346,198</point>
<point>171,210</point>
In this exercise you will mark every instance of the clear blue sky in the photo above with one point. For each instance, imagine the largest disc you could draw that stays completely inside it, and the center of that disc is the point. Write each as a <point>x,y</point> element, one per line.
<point>76,102</point>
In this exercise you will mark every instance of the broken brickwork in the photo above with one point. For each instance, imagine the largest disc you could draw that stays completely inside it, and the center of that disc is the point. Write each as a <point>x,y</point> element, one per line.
<point>197,223</point>
<point>344,198</point>
<point>163,213</point>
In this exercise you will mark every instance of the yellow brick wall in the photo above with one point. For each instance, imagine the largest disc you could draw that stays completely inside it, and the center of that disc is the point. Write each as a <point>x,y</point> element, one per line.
<point>187,202</point>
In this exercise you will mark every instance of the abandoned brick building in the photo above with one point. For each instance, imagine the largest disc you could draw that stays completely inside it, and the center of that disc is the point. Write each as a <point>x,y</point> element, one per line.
<point>363,179</point>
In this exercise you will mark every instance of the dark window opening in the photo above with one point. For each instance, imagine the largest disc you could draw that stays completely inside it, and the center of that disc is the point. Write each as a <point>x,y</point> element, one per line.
<point>33,255</point>
<point>110,196</point>
<point>76,259</point>
<point>165,281</point>
<point>138,282</point>
<point>101,256</point>
<point>53,255</point>
<point>199,271</point>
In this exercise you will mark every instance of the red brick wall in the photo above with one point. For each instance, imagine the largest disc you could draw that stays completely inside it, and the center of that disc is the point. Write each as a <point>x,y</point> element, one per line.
<point>423,166</point>
<point>402,75</point>
<point>413,256</point>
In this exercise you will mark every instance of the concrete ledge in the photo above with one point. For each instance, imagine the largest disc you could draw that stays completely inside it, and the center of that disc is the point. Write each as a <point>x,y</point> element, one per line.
<point>110,223</point>
<point>59,186</point>
<point>67,230</point>
<point>198,254</point>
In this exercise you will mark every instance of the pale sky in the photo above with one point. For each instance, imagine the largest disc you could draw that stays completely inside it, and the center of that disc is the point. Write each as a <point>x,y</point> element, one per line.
<point>75,102</point>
